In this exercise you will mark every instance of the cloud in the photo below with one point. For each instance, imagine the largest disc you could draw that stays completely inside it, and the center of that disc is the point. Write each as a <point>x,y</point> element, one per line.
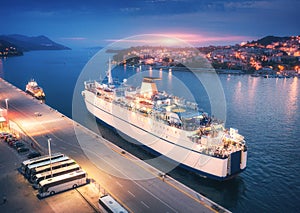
<point>74,38</point>
<point>39,13</point>
<point>130,9</point>
<point>206,38</point>
<point>182,38</point>
<point>247,5</point>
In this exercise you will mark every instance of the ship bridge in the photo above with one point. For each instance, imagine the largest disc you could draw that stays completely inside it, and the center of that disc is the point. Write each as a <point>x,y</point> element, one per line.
<point>191,119</point>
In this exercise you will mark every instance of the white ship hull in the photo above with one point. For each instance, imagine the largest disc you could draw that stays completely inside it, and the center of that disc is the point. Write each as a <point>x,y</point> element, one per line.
<point>165,140</point>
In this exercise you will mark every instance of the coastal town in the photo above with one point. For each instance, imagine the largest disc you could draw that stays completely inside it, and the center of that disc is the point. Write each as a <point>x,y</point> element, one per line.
<point>267,56</point>
<point>270,56</point>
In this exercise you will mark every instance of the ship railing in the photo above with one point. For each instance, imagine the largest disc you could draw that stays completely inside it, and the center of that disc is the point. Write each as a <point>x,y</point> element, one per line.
<point>89,85</point>
<point>215,146</point>
<point>226,150</point>
<point>175,124</point>
<point>212,151</point>
<point>220,150</point>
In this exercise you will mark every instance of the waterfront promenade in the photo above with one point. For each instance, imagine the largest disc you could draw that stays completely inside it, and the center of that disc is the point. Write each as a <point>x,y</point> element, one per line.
<point>39,122</point>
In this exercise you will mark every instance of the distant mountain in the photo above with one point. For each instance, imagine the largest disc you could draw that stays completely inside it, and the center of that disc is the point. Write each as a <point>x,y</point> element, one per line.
<point>26,43</point>
<point>270,39</point>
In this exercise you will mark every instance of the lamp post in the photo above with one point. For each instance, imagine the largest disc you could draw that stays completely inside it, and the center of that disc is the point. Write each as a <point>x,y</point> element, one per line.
<point>49,148</point>
<point>6,103</point>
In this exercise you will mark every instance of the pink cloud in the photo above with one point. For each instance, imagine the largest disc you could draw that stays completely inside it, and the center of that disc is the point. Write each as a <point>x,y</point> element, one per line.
<point>189,38</point>
<point>206,38</point>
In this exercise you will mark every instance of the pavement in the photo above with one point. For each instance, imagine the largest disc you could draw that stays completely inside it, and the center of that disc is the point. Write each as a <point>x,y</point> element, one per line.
<point>135,184</point>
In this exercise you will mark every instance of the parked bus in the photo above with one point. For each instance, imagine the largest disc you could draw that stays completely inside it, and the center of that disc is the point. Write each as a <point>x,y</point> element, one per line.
<point>31,167</point>
<point>43,158</point>
<point>62,182</point>
<point>110,205</point>
<point>45,175</point>
<point>46,168</point>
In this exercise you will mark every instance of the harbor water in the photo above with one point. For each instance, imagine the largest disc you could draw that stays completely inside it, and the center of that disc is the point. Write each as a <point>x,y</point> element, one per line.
<point>265,111</point>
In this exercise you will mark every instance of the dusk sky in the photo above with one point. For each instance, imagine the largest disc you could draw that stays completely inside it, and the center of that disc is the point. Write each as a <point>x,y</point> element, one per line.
<point>199,22</point>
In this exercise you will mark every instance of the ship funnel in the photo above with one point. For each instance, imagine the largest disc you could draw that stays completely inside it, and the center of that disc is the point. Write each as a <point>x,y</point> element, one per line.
<point>149,86</point>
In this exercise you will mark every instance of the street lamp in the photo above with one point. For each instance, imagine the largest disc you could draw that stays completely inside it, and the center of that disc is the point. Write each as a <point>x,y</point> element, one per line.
<point>6,102</point>
<point>49,148</point>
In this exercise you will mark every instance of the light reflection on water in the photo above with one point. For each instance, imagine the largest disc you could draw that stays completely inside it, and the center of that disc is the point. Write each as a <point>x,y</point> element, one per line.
<point>292,106</point>
<point>252,82</point>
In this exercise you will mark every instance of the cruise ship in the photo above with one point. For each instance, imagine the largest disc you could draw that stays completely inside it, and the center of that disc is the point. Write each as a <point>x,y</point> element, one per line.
<point>35,90</point>
<point>168,125</point>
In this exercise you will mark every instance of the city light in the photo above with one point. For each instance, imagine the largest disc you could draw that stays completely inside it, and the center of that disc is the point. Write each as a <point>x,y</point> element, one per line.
<point>280,67</point>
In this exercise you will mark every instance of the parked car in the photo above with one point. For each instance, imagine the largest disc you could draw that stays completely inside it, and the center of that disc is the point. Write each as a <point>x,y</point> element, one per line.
<point>22,149</point>
<point>33,155</point>
<point>3,135</point>
<point>12,143</point>
<point>11,138</point>
<point>6,136</point>
<point>18,144</point>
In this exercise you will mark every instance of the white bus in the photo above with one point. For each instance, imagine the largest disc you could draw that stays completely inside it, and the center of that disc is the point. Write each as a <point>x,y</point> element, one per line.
<point>31,167</point>
<point>26,163</point>
<point>62,182</point>
<point>110,205</point>
<point>45,175</point>
<point>46,168</point>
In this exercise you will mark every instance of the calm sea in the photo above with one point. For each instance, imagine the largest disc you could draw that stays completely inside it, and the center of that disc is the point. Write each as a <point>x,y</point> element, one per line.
<point>266,112</point>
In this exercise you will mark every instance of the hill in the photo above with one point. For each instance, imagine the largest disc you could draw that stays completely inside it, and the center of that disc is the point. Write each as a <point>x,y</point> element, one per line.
<point>271,39</point>
<point>26,43</point>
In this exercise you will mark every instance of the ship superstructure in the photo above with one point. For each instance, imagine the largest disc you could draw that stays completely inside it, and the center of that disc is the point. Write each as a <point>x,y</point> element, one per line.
<point>168,125</point>
<point>34,89</point>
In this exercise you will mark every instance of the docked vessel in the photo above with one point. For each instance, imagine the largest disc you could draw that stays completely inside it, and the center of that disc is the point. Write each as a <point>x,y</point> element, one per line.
<point>168,125</point>
<point>35,90</point>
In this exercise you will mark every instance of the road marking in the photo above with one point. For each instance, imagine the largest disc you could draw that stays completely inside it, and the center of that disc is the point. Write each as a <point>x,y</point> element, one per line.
<point>119,184</point>
<point>136,183</point>
<point>170,184</point>
<point>142,202</point>
<point>53,144</point>
<point>191,196</point>
<point>131,193</point>
<point>73,151</point>
<point>64,148</point>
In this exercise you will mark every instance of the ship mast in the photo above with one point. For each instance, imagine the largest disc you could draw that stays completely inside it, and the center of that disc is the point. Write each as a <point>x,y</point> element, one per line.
<point>110,79</point>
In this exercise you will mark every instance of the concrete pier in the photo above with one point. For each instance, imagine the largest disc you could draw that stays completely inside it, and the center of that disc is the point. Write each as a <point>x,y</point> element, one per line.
<point>38,122</point>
